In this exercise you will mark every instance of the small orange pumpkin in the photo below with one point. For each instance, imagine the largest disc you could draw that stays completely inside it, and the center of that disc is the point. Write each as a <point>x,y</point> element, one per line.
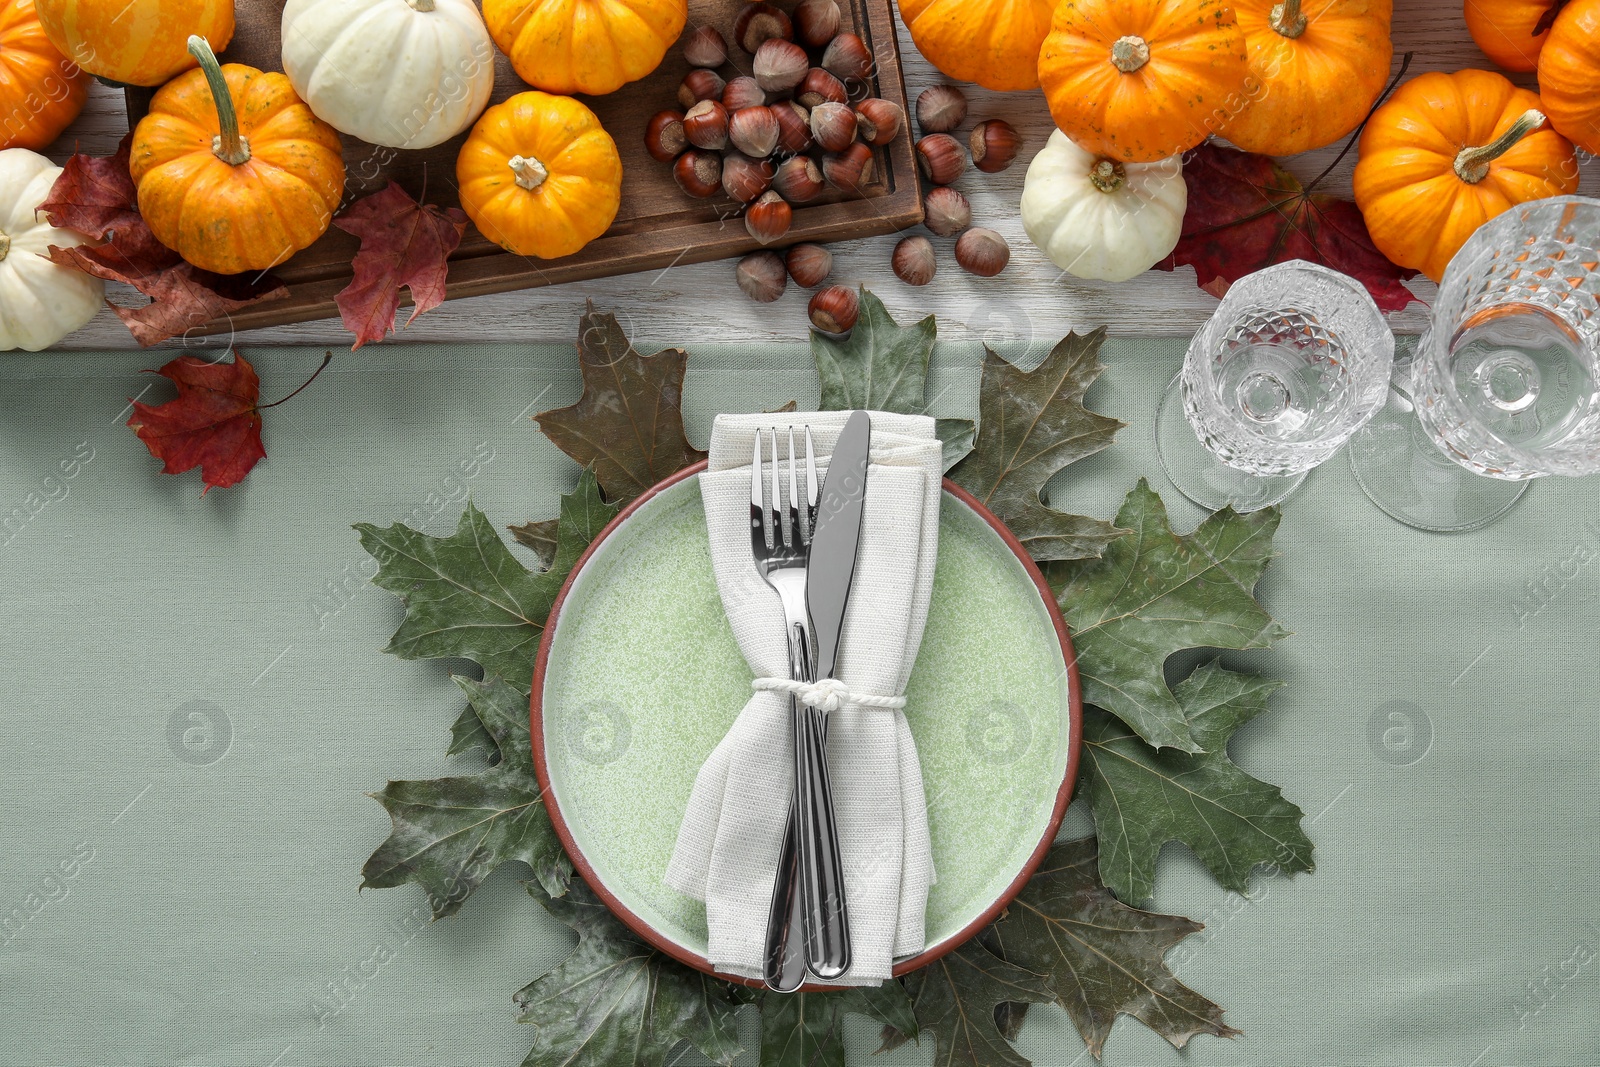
<point>1141,80</point>
<point>1448,152</point>
<point>41,90</point>
<point>134,42</point>
<point>992,42</point>
<point>1321,64</point>
<point>1511,32</point>
<point>234,172</point>
<point>584,46</point>
<point>540,176</point>
<point>1569,74</point>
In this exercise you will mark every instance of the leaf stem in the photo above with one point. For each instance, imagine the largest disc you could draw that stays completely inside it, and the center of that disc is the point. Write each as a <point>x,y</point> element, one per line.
<point>1405,65</point>
<point>230,145</point>
<point>326,359</point>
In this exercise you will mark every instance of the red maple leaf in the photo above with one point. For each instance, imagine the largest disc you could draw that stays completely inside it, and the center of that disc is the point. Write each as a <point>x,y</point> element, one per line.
<point>214,423</point>
<point>403,245</point>
<point>96,196</point>
<point>1247,212</point>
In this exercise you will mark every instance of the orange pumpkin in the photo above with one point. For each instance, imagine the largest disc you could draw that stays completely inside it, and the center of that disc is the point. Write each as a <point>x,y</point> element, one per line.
<point>234,172</point>
<point>584,46</point>
<point>1511,32</point>
<point>135,42</point>
<point>1569,74</point>
<point>1448,152</point>
<point>539,176</point>
<point>41,91</point>
<point>1320,66</point>
<point>992,42</point>
<point>1141,80</point>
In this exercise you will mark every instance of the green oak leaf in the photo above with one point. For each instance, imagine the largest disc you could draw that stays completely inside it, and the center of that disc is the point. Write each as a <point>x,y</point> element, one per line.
<point>468,733</point>
<point>883,366</point>
<point>467,596</point>
<point>449,834</point>
<point>1143,798</point>
<point>955,998</point>
<point>628,424</point>
<point>803,1029</point>
<point>1102,958</point>
<point>1031,424</point>
<point>616,1001</point>
<point>1154,593</point>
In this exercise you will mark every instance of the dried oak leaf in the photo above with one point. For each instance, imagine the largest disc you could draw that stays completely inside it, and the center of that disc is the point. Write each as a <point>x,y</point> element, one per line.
<point>1032,424</point>
<point>404,244</point>
<point>956,998</point>
<point>1101,958</point>
<point>1247,212</point>
<point>214,423</point>
<point>96,196</point>
<point>628,424</point>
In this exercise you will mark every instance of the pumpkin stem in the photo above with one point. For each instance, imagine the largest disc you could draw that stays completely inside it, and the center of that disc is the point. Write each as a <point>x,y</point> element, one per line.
<point>421,5</point>
<point>5,245</point>
<point>1107,175</point>
<point>230,145</point>
<point>529,171</point>
<point>1472,165</point>
<point>1288,19</point>
<point>1130,53</point>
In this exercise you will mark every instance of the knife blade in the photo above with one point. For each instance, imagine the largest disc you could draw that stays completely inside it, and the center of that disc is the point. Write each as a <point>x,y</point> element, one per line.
<point>833,545</point>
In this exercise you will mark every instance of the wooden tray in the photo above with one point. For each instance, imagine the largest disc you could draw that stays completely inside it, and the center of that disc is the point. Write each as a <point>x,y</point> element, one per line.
<point>658,225</point>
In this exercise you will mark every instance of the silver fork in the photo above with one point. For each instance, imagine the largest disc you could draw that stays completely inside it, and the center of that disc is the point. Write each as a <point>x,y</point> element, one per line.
<point>780,541</point>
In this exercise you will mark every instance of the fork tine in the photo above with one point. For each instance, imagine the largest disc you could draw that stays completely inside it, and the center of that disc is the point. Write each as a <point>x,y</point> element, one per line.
<point>760,526</point>
<point>780,530</point>
<point>811,487</point>
<point>801,536</point>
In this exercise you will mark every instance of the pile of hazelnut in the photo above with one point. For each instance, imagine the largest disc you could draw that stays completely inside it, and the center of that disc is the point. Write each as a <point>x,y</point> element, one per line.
<point>993,146</point>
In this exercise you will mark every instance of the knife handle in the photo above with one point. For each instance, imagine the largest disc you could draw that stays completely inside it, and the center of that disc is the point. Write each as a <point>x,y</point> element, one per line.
<point>827,920</point>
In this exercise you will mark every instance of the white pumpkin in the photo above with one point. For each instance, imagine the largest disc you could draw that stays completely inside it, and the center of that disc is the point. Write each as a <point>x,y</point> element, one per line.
<point>1096,218</point>
<point>396,73</point>
<point>40,302</point>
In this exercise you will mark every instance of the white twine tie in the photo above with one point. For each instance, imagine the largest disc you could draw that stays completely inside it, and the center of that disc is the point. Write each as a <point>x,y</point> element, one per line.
<point>828,694</point>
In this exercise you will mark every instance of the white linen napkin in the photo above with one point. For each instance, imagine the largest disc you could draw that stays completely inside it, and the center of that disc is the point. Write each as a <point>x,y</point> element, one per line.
<point>728,844</point>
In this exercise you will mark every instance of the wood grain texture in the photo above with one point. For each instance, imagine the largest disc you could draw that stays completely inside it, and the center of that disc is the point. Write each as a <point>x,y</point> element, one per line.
<point>681,303</point>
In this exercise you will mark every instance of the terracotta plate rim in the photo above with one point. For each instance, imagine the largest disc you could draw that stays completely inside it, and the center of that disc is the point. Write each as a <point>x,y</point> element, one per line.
<point>693,959</point>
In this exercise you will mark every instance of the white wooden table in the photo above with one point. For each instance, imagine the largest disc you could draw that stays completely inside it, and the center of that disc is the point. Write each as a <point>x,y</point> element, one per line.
<point>684,303</point>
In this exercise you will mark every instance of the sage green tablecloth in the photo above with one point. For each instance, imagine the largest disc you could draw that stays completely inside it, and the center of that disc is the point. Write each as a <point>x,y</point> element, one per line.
<point>195,704</point>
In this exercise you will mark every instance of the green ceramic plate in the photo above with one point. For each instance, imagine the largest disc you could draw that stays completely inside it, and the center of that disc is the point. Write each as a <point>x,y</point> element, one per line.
<point>639,677</point>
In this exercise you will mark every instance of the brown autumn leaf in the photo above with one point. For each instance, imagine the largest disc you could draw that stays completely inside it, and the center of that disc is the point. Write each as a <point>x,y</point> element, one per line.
<point>96,196</point>
<point>404,244</point>
<point>628,424</point>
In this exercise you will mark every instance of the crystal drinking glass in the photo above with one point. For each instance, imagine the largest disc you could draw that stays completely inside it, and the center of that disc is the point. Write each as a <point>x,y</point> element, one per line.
<point>1505,383</point>
<point>1292,363</point>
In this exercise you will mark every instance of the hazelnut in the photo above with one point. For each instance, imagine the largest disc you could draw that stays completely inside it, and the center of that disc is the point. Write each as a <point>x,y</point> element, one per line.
<point>706,125</point>
<point>699,85</point>
<point>940,156</point>
<point>994,145</point>
<point>850,169</point>
<point>833,125</point>
<point>769,218</point>
<point>948,212</point>
<point>664,137</point>
<point>819,86</point>
<point>982,252</point>
<point>743,92</point>
<point>699,173</point>
<point>780,65</point>
<point>794,127</point>
<point>878,121</point>
<point>762,276</point>
<point>914,261</point>
<point>809,265</point>
<point>847,58</point>
<point>816,22</point>
<point>705,48</point>
<point>743,178</point>
<point>754,131</point>
<point>759,23</point>
<point>834,310</point>
<point>941,109</point>
<point>798,180</point>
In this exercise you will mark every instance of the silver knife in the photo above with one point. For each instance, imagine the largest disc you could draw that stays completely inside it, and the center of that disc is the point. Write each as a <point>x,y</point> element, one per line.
<point>829,572</point>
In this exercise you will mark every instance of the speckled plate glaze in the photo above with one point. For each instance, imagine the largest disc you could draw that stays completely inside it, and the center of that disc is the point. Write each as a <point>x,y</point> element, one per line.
<point>638,677</point>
